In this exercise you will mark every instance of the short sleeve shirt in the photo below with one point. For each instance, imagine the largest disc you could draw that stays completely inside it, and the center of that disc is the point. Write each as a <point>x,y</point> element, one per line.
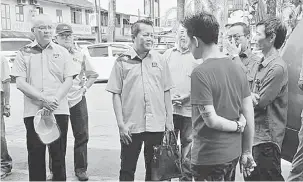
<point>86,70</point>
<point>181,65</point>
<point>141,83</point>
<point>45,70</point>
<point>223,84</point>
<point>5,71</point>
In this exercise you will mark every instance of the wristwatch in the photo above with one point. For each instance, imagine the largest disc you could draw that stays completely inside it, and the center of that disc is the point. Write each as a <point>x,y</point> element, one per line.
<point>239,127</point>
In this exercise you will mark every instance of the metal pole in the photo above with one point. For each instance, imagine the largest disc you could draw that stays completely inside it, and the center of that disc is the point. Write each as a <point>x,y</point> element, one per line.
<point>98,22</point>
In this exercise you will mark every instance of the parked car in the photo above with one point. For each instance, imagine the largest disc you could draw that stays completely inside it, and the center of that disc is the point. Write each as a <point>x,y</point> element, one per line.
<point>79,44</point>
<point>292,55</point>
<point>162,47</point>
<point>102,56</point>
<point>125,43</point>
<point>10,46</point>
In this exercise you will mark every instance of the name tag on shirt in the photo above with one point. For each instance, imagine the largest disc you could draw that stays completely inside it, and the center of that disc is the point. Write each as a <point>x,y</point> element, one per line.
<point>56,56</point>
<point>154,64</point>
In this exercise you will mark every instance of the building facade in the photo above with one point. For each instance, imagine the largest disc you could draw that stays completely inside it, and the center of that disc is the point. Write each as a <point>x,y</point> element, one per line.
<point>16,16</point>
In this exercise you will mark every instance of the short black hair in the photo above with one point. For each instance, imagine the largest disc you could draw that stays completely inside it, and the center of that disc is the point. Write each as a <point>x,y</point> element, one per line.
<point>245,27</point>
<point>135,28</point>
<point>204,26</point>
<point>274,25</point>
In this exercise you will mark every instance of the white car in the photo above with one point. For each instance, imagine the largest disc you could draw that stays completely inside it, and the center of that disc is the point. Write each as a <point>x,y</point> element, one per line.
<point>10,46</point>
<point>81,43</point>
<point>102,56</point>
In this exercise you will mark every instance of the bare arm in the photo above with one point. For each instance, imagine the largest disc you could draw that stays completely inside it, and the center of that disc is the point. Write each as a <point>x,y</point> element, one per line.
<point>90,72</point>
<point>28,90</point>
<point>169,110</point>
<point>64,88</point>
<point>90,81</point>
<point>117,103</point>
<point>212,120</point>
<point>248,135</point>
<point>238,61</point>
<point>6,92</point>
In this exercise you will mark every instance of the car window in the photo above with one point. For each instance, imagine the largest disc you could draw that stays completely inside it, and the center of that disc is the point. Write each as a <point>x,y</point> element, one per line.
<point>13,45</point>
<point>100,51</point>
<point>160,46</point>
<point>117,50</point>
<point>82,44</point>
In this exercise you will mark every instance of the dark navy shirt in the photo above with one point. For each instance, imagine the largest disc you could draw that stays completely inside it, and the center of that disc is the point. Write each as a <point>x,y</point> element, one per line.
<point>271,83</point>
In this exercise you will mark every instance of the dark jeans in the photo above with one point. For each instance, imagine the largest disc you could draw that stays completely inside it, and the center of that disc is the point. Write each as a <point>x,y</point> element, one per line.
<point>184,125</point>
<point>6,160</point>
<point>79,122</point>
<point>296,173</point>
<point>219,172</point>
<point>130,154</point>
<point>36,151</point>
<point>268,159</point>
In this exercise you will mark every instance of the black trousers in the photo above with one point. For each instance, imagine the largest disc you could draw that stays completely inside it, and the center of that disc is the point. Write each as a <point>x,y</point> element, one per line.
<point>130,154</point>
<point>36,151</point>
<point>219,172</point>
<point>79,122</point>
<point>268,159</point>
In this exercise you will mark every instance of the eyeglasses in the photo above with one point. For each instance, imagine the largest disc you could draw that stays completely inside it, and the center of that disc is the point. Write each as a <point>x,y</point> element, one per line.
<point>234,36</point>
<point>65,36</point>
<point>45,27</point>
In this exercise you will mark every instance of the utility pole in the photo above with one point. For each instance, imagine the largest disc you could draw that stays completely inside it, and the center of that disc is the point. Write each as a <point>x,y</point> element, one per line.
<point>153,11</point>
<point>112,20</point>
<point>98,29</point>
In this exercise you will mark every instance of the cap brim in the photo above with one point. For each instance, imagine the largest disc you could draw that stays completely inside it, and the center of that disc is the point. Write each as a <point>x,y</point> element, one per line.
<point>64,31</point>
<point>46,128</point>
<point>50,137</point>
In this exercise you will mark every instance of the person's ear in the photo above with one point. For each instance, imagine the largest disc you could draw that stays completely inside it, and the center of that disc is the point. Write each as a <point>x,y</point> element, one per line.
<point>272,38</point>
<point>196,41</point>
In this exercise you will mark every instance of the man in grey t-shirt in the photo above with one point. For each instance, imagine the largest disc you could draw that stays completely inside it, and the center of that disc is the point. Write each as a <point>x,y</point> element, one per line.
<point>221,106</point>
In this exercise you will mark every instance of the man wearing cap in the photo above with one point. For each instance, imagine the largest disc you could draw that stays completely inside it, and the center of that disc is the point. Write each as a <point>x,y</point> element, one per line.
<point>77,100</point>
<point>6,160</point>
<point>44,72</point>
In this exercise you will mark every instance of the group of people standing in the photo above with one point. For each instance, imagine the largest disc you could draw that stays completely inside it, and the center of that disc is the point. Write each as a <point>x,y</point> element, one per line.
<point>228,107</point>
<point>50,75</point>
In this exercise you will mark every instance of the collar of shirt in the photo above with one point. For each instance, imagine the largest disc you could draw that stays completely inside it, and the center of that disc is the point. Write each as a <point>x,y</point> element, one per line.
<point>133,54</point>
<point>35,44</point>
<point>265,62</point>
<point>182,52</point>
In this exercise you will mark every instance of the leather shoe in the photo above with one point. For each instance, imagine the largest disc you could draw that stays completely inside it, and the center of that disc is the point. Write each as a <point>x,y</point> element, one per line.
<point>82,176</point>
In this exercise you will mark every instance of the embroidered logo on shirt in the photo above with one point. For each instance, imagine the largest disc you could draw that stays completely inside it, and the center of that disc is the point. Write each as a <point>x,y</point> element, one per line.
<point>56,56</point>
<point>154,64</point>
<point>76,60</point>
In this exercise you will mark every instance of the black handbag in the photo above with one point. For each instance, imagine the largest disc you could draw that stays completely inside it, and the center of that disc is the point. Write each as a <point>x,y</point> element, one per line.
<point>166,163</point>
